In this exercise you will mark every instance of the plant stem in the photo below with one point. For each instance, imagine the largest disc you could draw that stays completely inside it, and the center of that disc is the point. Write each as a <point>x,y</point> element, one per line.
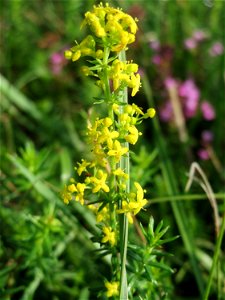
<point>124,165</point>
<point>105,75</point>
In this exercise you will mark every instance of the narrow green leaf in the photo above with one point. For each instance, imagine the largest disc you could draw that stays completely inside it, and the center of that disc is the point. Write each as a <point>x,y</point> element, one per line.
<point>66,164</point>
<point>19,99</point>
<point>160,266</point>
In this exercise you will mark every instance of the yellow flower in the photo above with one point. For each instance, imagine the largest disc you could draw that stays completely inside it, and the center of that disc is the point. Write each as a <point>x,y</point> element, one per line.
<point>66,195</point>
<point>99,182</point>
<point>116,28</point>
<point>124,118</point>
<point>107,121</point>
<point>117,150</point>
<point>102,215</point>
<point>134,205</point>
<point>109,236</point>
<point>119,172</point>
<point>128,109</point>
<point>137,109</point>
<point>112,288</point>
<point>115,108</point>
<point>95,25</point>
<point>80,192</point>
<point>81,187</point>
<point>86,71</point>
<point>76,55</point>
<point>107,136</point>
<point>123,74</point>
<point>82,166</point>
<point>150,113</point>
<point>133,136</point>
<point>136,82</point>
<point>68,54</point>
<point>72,188</point>
<point>85,48</point>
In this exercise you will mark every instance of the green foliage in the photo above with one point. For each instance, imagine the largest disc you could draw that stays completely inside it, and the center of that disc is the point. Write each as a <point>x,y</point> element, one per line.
<point>148,262</point>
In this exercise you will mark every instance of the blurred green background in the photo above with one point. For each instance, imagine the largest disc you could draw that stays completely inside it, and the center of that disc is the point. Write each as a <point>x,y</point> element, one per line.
<point>45,247</point>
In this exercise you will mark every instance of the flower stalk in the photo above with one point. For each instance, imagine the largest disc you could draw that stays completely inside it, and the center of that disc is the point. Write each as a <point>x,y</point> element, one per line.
<point>124,165</point>
<point>102,183</point>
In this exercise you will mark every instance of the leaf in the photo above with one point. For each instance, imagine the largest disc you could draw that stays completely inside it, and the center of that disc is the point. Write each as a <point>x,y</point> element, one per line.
<point>151,227</point>
<point>160,266</point>
<point>19,99</point>
<point>66,163</point>
<point>161,242</point>
<point>34,284</point>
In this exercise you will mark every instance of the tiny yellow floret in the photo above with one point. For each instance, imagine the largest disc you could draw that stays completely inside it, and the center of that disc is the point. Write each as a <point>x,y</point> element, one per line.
<point>109,236</point>
<point>112,288</point>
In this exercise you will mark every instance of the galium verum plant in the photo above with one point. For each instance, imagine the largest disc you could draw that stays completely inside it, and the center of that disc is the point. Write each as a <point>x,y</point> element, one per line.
<point>102,183</point>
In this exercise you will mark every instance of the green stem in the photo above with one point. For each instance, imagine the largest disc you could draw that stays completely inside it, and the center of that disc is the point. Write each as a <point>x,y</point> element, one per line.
<point>124,165</point>
<point>105,74</point>
<point>215,259</point>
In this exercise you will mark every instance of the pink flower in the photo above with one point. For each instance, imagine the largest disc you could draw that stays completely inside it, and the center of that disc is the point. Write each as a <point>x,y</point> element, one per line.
<point>156,59</point>
<point>170,82</point>
<point>190,94</point>
<point>166,112</point>
<point>208,111</point>
<point>207,136</point>
<point>216,49</point>
<point>154,45</point>
<point>203,154</point>
<point>190,43</point>
<point>199,35</point>
<point>57,61</point>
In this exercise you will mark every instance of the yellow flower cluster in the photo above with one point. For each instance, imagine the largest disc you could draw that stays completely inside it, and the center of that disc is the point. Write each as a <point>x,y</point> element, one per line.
<point>135,204</point>
<point>103,174</point>
<point>102,183</point>
<point>123,75</point>
<point>109,26</point>
<point>111,30</point>
<point>116,28</point>
<point>103,177</point>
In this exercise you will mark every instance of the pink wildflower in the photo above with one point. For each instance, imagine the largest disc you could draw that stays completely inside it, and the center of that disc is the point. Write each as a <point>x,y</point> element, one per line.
<point>156,59</point>
<point>216,49</point>
<point>190,43</point>
<point>208,111</point>
<point>203,154</point>
<point>166,112</point>
<point>199,35</point>
<point>207,136</point>
<point>57,61</point>
<point>154,45</point>
<point>190,94</point>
